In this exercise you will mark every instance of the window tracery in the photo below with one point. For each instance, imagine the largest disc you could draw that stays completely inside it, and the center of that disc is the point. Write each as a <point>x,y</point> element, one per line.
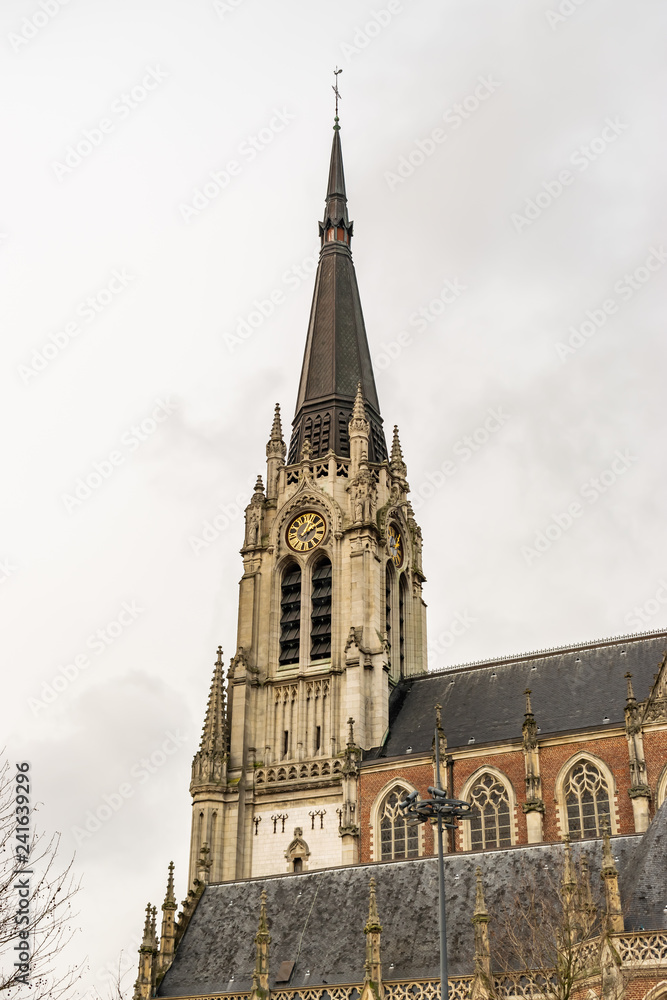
<point>491,823</point>
<point>397,839</point>
<point>586,801</point>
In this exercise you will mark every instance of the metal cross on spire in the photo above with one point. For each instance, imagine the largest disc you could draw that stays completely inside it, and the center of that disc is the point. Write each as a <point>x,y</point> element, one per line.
<point>335,88</point>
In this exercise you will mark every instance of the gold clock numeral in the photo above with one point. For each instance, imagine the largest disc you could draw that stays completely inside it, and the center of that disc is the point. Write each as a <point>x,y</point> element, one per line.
<point>395,546</point>
<point>306,531</point>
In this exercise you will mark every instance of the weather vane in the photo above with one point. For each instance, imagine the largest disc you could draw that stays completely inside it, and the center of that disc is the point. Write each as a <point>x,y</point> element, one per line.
<point>335,88</point>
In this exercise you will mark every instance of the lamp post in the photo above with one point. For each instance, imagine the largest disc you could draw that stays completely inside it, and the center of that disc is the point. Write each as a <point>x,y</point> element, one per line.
<point>444,810</point>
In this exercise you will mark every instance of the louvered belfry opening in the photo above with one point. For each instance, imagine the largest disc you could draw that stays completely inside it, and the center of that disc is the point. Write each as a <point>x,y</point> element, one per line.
<point>290,614</point>
<point>320,630</point>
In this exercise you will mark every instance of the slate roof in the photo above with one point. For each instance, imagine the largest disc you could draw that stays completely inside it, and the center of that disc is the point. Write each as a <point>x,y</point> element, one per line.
<point>337,356</point>
<point>316,919</point>
<point>644,882</point>
<point>574,688</point>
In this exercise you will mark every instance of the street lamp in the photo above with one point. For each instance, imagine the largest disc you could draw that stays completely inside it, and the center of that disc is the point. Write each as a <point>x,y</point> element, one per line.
<point>447,811</point>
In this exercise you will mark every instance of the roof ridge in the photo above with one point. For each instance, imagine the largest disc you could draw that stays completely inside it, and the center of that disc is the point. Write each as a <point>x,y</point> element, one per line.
<point>549,651</point>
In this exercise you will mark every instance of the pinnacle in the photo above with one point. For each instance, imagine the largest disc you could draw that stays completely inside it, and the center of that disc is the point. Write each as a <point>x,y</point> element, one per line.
<point>358,409</point>
<point>259,485</point>
<point>631,693</point>
<point>276,445</point>
<point>373,923</point>
<point>396,462</point>
<point>147,942</point>
<point>170,898</point>
<point>480,902</point>
<point>529,707</point>
<point>213,738</point>
<point>263,928</point>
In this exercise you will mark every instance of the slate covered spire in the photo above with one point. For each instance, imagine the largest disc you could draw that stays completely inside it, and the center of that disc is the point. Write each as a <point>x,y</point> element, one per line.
<point>337,357</point>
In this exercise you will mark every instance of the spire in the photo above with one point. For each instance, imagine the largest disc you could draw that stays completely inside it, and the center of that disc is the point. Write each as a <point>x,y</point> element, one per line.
<point>336,198</point>
<point>209,761</point>
<point>337,357</point>
<point>398,466</point>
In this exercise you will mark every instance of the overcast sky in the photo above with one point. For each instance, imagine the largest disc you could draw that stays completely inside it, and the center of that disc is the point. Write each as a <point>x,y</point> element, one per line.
<point>505,170</point>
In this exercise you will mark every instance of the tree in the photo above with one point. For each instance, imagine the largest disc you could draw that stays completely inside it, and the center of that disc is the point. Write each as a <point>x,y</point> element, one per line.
<point>36,892</point>
<point>553,928</point>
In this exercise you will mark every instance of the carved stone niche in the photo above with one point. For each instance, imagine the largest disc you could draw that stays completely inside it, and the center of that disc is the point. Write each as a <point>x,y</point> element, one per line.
<point>297,853</point>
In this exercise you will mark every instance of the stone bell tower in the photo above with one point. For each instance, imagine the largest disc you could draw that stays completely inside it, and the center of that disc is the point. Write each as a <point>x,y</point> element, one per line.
<point>331,615</point>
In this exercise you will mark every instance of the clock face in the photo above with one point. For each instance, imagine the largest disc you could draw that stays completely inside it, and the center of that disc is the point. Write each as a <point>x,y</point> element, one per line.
<point>306,531</point>
<point>395,543</point>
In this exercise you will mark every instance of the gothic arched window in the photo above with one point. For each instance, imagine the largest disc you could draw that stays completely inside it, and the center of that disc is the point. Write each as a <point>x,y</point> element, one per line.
<point>290,614</point>
<point>586,800</point>
<point>491,823</point>
<point>397,839</point>
<point>320,629</point>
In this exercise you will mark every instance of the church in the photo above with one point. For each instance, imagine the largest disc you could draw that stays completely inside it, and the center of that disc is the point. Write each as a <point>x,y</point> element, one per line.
<point>305,878</point>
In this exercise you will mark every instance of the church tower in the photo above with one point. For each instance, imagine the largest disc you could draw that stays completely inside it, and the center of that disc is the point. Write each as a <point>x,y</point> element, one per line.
<point>331,615</point>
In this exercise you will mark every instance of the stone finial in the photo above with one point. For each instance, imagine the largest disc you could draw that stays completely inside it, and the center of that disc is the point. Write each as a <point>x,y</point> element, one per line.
<point>260,975</point>
<point>529,728</point>
<point>358,409</point>
<point>631,700</point>
<point>529,707</point>
<point>209,763</point>
<point>438,716</point>
<point>276,447</point>
<point>480,902</point>
<point>146,943</point>
<point>373,932</point>
<point>306,450</point>
<point>350,729</point>
<point>373,922</point>
<point>396,463</point>
<point>168,933</point>
<point>145,983</point>
<point>609,875</point>
<point>480,922</point>
<point>170,898</point>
